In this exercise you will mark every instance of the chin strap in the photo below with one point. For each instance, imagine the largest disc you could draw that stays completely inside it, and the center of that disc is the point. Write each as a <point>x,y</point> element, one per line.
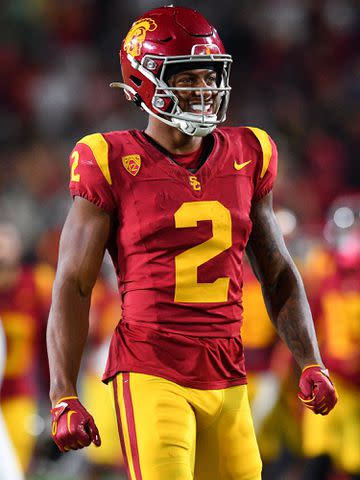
<point>190,128</point>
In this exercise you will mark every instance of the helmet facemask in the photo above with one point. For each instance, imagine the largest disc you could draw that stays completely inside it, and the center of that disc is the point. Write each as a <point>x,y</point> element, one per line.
<point>198,124</point>
<point>165,102</point>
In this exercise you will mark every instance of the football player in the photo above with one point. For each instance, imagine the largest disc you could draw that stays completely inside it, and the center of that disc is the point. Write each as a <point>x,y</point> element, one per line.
<point>25,295</point>
<point>176,205</point>
<point>335,444</point>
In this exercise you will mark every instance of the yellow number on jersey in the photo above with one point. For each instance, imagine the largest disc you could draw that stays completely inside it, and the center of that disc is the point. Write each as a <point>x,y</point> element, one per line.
<point>75,177</point>
<point>187,288</point>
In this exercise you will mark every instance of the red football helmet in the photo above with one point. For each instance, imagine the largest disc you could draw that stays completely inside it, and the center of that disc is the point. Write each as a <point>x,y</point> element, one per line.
<point>342,231</point>
<point>173,39</point>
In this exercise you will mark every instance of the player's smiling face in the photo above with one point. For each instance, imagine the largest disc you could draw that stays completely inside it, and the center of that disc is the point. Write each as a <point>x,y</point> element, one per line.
<point>190,100</point>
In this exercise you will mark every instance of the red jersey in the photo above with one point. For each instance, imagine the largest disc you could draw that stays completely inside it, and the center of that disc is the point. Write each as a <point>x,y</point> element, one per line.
<point>177,248</point>
<point>24,309</point>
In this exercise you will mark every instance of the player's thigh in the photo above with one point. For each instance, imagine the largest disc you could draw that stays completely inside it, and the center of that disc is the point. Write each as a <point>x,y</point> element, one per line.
<point>19,414</point>
<point>227,449</point>
<point>156,426</point>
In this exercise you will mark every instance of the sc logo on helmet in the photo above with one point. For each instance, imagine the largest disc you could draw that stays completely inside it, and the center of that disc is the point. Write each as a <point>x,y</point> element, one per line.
<point>137,34</point>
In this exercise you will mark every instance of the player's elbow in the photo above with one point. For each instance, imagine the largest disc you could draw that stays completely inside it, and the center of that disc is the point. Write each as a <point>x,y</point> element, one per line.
<point>286,284</point>
<point>71,282</point>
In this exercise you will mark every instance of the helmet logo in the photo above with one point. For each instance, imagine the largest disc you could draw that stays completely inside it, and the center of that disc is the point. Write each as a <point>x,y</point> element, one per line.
<point>132,163</point>
<point>205,49</point>
<point>137,34</point>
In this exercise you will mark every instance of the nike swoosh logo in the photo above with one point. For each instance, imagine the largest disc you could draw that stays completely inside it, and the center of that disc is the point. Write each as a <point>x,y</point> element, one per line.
<point>239,166</point>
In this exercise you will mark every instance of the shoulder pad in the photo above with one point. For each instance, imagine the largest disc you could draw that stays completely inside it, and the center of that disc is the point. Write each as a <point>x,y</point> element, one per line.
<point>266,147</point>
<point>99,147</point>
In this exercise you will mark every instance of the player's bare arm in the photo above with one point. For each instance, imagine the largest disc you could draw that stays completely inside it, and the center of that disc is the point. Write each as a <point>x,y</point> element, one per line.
<point>281,283</point>
<point>82,248</point>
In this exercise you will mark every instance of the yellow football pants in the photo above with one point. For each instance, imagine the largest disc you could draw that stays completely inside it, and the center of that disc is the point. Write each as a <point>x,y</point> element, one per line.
<point>170,432</point>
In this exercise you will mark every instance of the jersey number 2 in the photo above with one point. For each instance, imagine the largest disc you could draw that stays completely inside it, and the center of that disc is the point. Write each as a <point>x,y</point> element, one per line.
<point>187,287</point>
<point>75,177</point>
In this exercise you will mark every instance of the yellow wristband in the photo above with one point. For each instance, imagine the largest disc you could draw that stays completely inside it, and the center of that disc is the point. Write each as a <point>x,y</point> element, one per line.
<point>65,398</point>
<point>324,371</point>
<point>310,366</point>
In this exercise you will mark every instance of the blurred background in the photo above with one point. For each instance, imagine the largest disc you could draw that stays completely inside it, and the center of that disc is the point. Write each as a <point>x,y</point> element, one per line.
<point>296,74</point>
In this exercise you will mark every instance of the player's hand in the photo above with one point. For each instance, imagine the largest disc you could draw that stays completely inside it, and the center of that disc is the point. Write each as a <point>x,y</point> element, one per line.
<point>72,425</point>
<point>317,391</point>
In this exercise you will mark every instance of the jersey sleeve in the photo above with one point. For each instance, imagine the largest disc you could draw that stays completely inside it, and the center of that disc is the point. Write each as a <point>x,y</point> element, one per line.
<point>90,176</point>
<point>267,170</point>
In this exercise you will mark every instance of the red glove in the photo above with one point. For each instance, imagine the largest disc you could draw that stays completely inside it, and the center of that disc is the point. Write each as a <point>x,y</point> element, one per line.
<point>72,425</point>
<point>317,391</point>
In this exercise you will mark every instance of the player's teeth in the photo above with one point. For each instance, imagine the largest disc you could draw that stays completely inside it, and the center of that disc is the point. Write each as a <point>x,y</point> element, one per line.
<point>199,107</point>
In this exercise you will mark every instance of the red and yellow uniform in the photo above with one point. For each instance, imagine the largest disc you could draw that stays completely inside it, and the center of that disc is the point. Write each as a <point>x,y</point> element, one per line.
<point>177,251</point>
<point>337,314</point>
<point>23,309</point>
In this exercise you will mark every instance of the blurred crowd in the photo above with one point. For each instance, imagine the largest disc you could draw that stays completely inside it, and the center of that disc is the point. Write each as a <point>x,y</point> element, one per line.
<point>296,74</point>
